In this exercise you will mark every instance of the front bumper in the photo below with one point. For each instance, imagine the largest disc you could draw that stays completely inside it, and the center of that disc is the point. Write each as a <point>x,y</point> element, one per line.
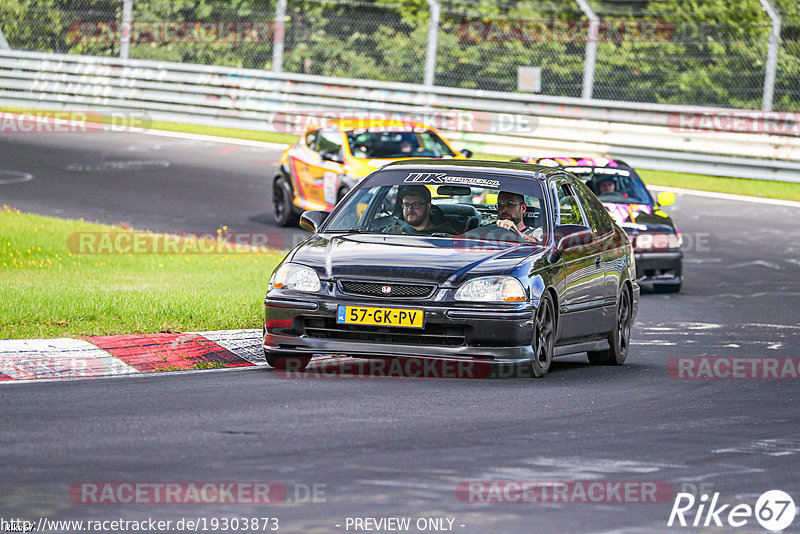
<point>496,335</point>
<point>659,268</point>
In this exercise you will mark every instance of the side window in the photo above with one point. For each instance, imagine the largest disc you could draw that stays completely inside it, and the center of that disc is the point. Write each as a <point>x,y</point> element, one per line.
<point>568,208</point>
<point>330,141</point>
<point>311,139</point>
<point>599,220</point>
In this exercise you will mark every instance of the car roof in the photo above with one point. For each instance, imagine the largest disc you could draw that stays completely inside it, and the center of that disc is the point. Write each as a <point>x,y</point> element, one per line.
<point>521,170</point>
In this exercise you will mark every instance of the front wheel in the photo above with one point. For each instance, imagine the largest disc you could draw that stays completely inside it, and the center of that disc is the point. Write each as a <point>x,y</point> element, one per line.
<point>544,336</point>
<point>282,203</point>
<point>619,338</point>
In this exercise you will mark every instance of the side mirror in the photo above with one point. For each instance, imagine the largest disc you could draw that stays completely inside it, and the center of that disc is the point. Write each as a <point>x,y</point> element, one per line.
<point>570,236</point>
<point>311,220</point>
<point>665,198</point>
<point>329,155</point>
<point>467,153</point>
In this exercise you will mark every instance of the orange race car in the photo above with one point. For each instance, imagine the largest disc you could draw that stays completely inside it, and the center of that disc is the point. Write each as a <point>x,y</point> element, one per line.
<point>323,166</point>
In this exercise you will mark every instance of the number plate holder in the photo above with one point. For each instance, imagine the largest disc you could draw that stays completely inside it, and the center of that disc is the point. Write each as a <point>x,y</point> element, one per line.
<point>375,316</point>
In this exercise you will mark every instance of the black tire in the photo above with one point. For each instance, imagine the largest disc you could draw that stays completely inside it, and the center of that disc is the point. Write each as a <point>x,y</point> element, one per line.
<point>290,363</point>
<point>282,206</point>
<point>544,337</point>
<point>619,338</point>
<point>667,288</point>
<point>342,193</point>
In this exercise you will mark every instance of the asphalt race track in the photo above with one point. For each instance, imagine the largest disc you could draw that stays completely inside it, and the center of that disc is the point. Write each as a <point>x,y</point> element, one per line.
<point>400,447</point>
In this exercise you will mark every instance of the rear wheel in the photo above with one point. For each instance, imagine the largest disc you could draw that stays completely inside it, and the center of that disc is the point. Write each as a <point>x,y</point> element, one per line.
<point>619,338</point>
<point>544,336</point>
<point>282,203</point>
<point>287,363</point>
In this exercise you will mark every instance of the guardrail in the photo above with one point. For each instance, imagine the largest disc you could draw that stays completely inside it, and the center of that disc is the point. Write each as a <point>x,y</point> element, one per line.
<point>676,138</point>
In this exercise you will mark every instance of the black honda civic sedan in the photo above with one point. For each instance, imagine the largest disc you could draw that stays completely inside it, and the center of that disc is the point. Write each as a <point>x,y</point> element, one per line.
<point>506,264</point>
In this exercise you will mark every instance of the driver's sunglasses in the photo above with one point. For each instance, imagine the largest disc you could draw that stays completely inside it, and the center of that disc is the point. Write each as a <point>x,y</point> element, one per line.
<point>508,204</point>
<point>413,205</point>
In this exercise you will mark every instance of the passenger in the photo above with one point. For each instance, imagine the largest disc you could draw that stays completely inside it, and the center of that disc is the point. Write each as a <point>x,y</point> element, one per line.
<point>510,210</point>
<point>416,203</point>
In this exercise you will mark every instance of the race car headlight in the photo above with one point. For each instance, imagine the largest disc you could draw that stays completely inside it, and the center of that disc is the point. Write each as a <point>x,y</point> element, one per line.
<point>492,289</point>
<point>657,241</point>
<point>294,277</point>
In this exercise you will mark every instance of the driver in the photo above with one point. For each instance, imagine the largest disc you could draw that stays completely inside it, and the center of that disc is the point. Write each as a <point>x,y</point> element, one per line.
<point>606,186</point>
<point>416,203</point>
<point>510,209</point>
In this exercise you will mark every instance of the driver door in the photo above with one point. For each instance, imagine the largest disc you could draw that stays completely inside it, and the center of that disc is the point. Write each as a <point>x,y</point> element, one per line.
<point>581,278</point>
<point>324,175</point>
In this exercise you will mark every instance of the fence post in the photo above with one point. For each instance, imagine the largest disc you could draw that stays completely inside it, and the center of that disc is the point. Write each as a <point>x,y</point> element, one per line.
<point>772,55</point>
<point>433,42</point>
<point>126,29</point>
<point>3,42</point>
<point>591,49</point>
<point>278,35</point>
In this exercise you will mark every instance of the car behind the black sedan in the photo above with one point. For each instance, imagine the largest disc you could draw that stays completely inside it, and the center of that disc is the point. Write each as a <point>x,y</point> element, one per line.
<point>416,262</point>
<point>655,237</point>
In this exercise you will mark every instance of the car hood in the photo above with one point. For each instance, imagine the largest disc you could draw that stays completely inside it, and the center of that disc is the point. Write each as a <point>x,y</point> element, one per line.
<point>640,217</point>
<point>443,261</point>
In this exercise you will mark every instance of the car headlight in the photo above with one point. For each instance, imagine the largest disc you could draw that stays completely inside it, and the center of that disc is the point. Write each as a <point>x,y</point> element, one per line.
<point>294,277</point>
<point>492,289</point>
<point>652,241</point>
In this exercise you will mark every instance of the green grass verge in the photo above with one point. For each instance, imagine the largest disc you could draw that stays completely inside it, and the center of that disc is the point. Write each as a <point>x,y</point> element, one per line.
<point>253,135</point>
<point>47,290</point>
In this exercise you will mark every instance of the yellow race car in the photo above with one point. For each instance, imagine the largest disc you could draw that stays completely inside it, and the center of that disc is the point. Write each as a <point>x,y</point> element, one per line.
<point>326,162</point>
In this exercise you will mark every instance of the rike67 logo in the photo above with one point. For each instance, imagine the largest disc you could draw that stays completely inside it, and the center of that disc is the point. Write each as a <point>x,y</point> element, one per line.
<point>774,510</point>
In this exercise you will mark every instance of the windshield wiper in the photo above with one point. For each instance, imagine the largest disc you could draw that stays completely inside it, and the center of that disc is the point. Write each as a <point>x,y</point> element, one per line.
<point>349,231</point>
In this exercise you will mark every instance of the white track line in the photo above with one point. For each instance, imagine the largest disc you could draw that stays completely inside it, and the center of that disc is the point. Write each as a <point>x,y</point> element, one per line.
<point>216,139</point>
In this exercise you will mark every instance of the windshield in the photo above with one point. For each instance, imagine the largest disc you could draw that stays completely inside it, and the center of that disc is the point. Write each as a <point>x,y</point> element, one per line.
<point>369,143</point>
<point>439,204</point>
<point>619,185</point>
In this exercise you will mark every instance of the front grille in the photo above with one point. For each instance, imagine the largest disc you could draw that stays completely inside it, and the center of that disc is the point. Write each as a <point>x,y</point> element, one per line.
<point>432,334</point>
<point>376,289</point>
